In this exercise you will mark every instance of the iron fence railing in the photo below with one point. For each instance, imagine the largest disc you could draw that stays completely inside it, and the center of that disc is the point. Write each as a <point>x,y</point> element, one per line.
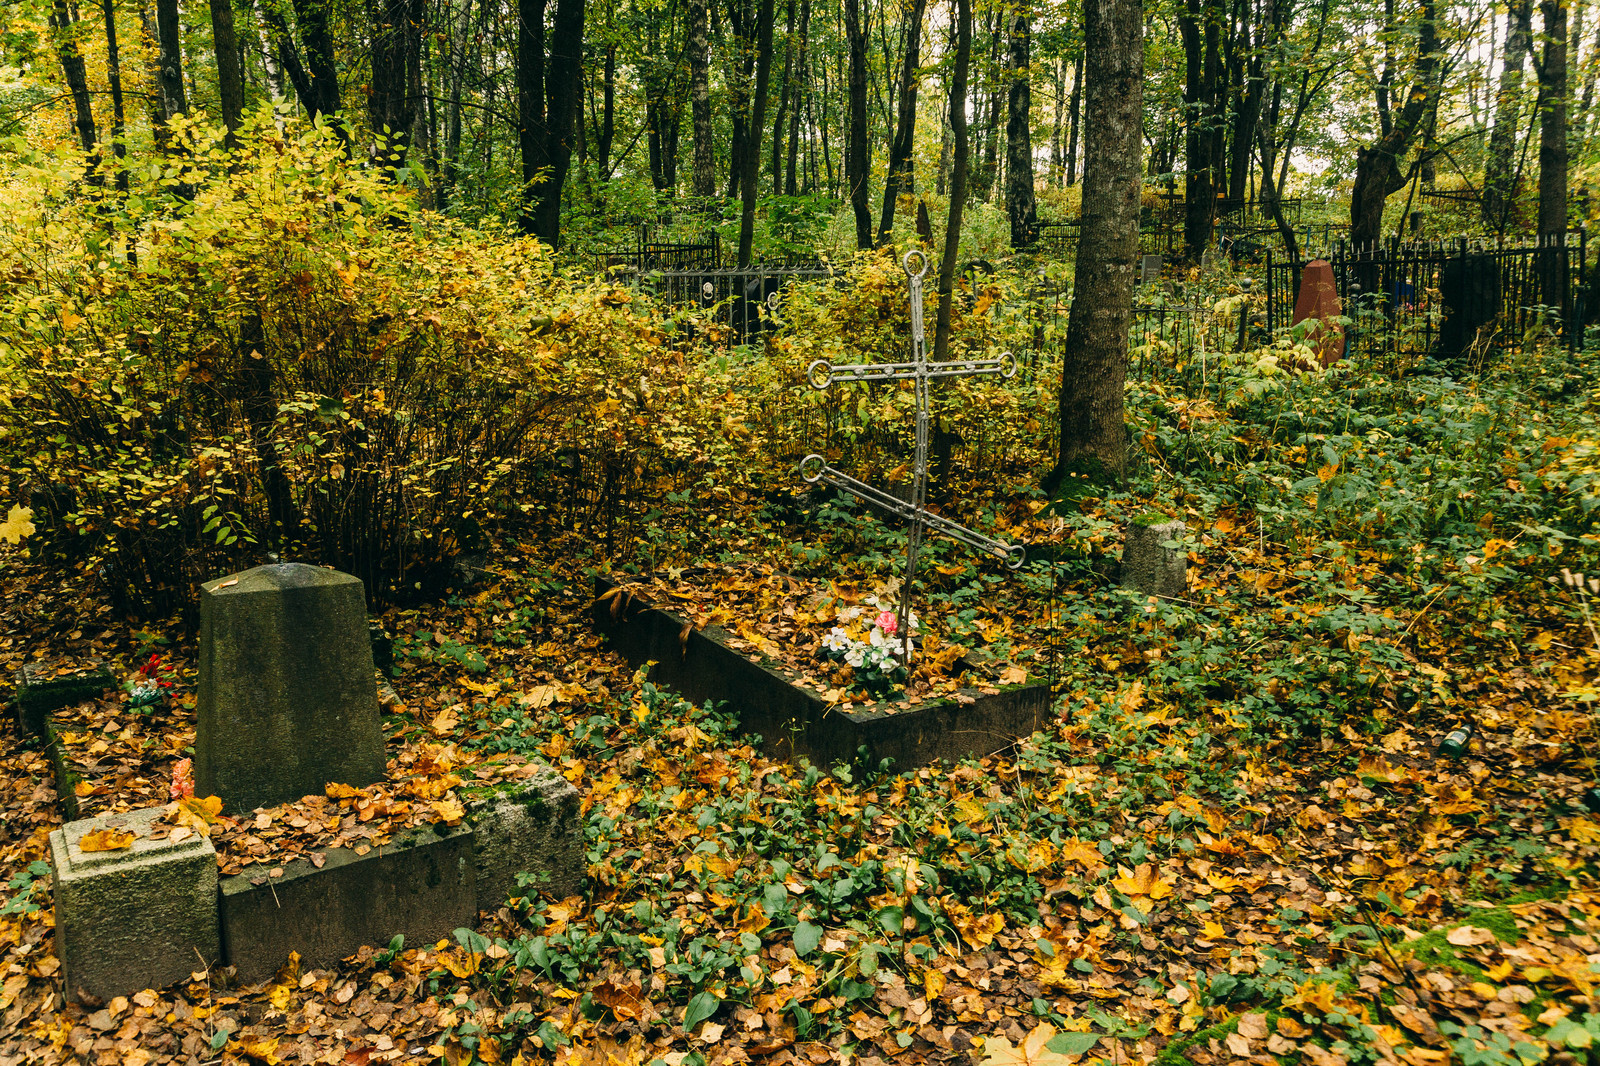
<point>1394,289</point>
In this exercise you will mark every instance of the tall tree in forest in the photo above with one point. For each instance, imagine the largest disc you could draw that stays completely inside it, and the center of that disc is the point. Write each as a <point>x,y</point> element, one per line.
<point>119,123</point>
<point>74,70</point>
<point>1076,109</point>
<point>1553,118</point>
<point>705,170</point>
<point>785,91</point>
<point>753,128</point>
<point>858,152</point>
<point>901,177</point>
<point>547,106</point>
<point>321,95</point>
<point>1094,363</point>
<point>169,29</point>
<point>1498,171</point>
<point>960,153</point>
<point>1378,170</point>
<point>230,74</point>
<point>1058,113</point>
<point>1198,25</point>
<point>396,62</point>
<point>802,96</point>
<point>1020,207</point>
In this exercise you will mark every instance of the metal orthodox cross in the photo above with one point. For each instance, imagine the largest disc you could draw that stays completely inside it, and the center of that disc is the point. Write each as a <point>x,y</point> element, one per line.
<point>815,468</point>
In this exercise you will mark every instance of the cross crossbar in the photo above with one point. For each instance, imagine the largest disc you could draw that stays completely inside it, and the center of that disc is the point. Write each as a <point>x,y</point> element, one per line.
<point>918,370</point>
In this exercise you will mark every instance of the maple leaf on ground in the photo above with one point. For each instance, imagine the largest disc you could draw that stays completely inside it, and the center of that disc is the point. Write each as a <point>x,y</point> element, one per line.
<point>106,840</point>
<point>1042,1047</point>
<point>17,525</point>
<point>1143,881</point>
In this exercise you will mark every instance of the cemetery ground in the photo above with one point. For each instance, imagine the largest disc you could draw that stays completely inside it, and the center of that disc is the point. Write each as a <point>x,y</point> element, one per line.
<point>1251,829</point>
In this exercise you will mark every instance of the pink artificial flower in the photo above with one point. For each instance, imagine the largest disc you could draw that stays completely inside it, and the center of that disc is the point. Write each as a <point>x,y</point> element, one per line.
<point>887,622</point>
<point>182,780</point>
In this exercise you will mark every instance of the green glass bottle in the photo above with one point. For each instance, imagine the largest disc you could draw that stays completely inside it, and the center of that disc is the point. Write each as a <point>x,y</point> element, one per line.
<point>1454,745</point>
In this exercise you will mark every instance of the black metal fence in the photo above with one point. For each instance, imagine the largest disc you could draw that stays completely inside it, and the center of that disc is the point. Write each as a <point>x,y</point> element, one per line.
<point>647,254</point>
<point>742,300</point>
<point>1399,293</point>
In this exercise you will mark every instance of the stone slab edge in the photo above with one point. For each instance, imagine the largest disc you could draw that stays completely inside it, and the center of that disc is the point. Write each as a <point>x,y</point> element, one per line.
<point>793,720</point>
<point>34,701</point>
<point>422,885</point>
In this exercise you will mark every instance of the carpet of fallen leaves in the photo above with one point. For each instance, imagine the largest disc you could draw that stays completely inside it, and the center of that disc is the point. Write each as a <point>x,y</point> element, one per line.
<point>1150,880</point>
<point>783,620</point>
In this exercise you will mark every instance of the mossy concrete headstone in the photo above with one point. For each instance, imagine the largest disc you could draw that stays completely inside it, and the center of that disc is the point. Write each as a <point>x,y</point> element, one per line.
<point>287,700</point>
<point>1149,568</point>
<point>533,827</point>
<point>137,917</point>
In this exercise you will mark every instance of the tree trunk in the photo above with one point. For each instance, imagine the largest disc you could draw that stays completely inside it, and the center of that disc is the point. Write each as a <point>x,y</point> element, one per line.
<point>752,154</point>
<point>705,171</point>
<point>901,176</point>
<point>802,92</point>
<point>1197,23</point>
<point>312,16</point>
<point>1095,353</point>
<point>1498,170</point>
<point>269,55</point>
<point>547,102</point>
<point>1378,170</point>
<point>396,61</point>
<point>1057,114</point>
<point>452,120</point>
<point>76,74</point>
<point>858,154</point>
<point>170,35</point>
<point>608,114</point>
<point>1020,208</point>
<point>742,21</point>
<point>230,77</point>
<point>282,42</point>
<point>1072,131</point>
<point>119,121</point>
<point>785,93</point>
<point>961,150</point>
<point>1553,119</point>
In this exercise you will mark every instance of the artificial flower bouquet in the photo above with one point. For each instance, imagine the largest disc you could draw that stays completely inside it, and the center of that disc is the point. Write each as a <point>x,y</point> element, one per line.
<point>868,641</point>
<point>150,683</point>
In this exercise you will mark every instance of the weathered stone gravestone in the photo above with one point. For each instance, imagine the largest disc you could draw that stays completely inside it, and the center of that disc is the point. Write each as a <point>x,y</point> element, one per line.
<point>1149,568</point>
<point>288,701</point>
<point>1150,268</point>
<point>1319,300</point>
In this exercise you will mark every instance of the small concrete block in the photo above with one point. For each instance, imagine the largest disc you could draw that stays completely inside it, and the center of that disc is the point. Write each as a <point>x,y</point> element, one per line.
<point>134,918</point>
<point>534,827</point>
<point>287,700</point>
<point>40,692</point>
<point>1147,567</point>
<point>422,884</point>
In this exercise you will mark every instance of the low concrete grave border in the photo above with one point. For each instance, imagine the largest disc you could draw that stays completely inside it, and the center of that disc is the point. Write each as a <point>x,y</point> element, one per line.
<point>792,719</point>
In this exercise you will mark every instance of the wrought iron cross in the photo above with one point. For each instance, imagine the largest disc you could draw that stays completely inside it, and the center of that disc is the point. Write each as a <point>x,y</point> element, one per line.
<point>814,468</point>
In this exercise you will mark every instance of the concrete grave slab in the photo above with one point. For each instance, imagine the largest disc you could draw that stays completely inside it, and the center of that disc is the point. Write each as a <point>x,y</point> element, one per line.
<point>794,720</point>
<point>423,884</point>
<point>134,918</point>
<point>41,690</point>
<point>534,827</point>
<point>287,699</point>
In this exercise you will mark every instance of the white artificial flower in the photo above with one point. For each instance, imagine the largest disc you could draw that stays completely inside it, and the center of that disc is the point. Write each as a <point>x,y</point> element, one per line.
<point>856,655</point>
<point>837,639</point>
<point>877,638</point>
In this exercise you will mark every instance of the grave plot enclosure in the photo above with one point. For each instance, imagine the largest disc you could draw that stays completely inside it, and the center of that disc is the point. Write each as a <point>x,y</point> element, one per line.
<point>286,732</point>
<point>792,718</point>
